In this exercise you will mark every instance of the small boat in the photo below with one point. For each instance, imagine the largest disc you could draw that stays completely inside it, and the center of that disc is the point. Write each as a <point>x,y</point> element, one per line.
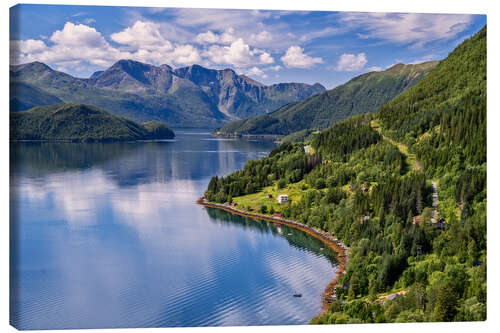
<point>297,295</point>
<point>289,234</point>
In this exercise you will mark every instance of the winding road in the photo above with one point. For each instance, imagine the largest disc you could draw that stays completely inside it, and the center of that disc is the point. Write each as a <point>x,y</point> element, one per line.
<point>434,202</point>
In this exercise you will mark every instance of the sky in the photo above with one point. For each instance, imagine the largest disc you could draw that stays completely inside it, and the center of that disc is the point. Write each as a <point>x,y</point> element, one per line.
<point>267,45</point>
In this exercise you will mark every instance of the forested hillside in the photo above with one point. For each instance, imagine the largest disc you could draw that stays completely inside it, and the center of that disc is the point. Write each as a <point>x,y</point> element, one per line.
<point>363,94</point>
<point>369,180</point>
<point>79,122</point>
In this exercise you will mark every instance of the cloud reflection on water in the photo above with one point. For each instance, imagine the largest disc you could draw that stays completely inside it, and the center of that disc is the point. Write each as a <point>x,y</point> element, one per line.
<point>107,242</point>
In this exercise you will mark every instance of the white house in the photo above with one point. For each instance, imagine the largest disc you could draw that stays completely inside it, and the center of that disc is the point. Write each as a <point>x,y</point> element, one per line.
<point>282,198</point>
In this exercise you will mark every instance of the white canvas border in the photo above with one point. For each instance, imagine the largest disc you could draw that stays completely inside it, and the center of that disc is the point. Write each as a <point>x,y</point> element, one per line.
<point>426,6</point>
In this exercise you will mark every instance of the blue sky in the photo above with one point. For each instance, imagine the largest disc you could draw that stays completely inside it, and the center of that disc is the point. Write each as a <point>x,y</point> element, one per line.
<point>268,46</point>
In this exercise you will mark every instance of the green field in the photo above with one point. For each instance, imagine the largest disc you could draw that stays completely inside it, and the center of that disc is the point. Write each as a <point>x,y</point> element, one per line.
<point>256,200</point>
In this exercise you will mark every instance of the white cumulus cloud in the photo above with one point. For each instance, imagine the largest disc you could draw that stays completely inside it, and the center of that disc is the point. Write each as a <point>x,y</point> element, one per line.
<point>77,35</point>
<point>180,55</point>
<point>150,45</point>
<point>255,71</point>
<point>27,46</point>
<point>80,48</point>
<point>227,37</point>
<point>73,46</point>
<point>185,54</point>
<point>296,58</point>
<point>238,54</point>
<point>144,35</point>
<point>351,62</point>
<point>207,38</point>
<point>265,58</point>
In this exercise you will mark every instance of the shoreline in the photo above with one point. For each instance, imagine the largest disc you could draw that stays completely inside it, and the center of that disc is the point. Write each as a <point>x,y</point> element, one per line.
<point>336,245</point>
<point>248,136</point>
<point>87,140</point>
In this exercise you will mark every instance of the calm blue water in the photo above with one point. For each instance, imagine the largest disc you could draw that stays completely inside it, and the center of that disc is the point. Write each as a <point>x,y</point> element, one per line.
<point>109,235</point>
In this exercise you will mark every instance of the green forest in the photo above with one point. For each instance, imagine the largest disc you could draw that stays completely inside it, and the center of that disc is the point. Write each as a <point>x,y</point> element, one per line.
<point>369,180</point>
<point>80,122</point>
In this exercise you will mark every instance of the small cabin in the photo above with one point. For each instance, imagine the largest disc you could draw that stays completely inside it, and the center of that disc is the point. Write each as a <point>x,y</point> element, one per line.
<point>277,214</point>
<point>233,204</point>
<point>364,189</point>
<point>417,219</point>
<point>282,198</point>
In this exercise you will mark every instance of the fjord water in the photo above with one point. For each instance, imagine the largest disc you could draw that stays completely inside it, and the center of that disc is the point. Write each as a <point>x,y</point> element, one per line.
<point>109,235</point>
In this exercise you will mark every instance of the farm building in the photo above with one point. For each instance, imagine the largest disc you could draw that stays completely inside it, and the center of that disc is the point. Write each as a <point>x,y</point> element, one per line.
<point>282,198</point>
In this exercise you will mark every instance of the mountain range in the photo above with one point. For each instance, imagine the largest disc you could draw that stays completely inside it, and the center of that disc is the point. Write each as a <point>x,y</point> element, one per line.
<point>362,94</point>
<point>192,96</point>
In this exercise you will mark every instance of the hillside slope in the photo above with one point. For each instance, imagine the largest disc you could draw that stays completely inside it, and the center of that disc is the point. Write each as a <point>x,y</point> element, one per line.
<point>79,122</point>
<point>449,106</point>
<point>372,182</point>
<point>363,94</point>
<point>23,96</point>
